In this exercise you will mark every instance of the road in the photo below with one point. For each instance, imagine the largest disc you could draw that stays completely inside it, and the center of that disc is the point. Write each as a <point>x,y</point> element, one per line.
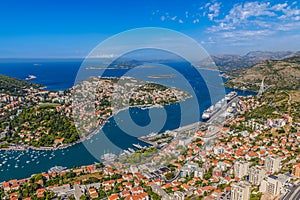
<point>190,127</point>
<point>293,194</point>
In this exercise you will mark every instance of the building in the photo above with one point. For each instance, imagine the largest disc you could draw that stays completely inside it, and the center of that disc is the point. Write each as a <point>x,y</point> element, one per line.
<point>178,196</point>
<point>272,163</point>
<point>188,169</point>
<point>219,150</point>
<point>217,172</point>
<point>240,191</point>
<point>256,174</point>
<point>199,173</point>
<point>296,171</point>
<point>158,190</point>
<point>241,169</point>
<point>271,185</point>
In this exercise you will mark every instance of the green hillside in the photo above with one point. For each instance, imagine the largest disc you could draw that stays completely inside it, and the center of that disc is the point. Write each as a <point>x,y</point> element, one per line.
<point>14,86</point>
<point>280,74</point>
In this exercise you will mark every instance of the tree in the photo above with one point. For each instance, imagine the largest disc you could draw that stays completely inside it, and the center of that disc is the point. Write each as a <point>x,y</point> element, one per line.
<point>83,197</point>
<point>169,176</point>
<point>37,177</point>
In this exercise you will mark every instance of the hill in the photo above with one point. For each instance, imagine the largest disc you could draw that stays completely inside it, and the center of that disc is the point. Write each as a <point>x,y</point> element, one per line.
<point>14,86</point>
<point>280,74</point>
<point>229,62</point>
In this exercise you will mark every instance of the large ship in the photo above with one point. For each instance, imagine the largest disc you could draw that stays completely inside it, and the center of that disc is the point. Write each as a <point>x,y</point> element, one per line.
<point>230,96</point>
<point>207,114</point>
<point>213,109</point>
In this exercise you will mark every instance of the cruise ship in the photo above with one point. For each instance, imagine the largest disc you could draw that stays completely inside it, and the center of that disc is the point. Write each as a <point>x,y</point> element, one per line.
<point>230,96</point>
<point>207,114</point>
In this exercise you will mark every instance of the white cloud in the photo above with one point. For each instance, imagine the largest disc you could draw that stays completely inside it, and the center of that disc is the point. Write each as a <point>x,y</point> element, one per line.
<point>246,33</point>
<point>240,12</point>
<point>174,18</point>
<point>257,18</point>
<point>209,40</point>
<point>155,12</point>
<point>279,7</point>
<point>214,10</point>
<point>288,26</point>
<point>104,56</point>
<point>195,21</point>
<point>291,12</point>
<point>186,14</point>
<point>180,21</point>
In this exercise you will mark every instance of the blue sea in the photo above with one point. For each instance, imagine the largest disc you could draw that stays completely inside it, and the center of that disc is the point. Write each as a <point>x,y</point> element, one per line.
<point>122,130</point>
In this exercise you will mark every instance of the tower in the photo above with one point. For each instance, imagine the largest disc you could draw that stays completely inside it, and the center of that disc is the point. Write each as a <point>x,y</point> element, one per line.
<point>262,87</point>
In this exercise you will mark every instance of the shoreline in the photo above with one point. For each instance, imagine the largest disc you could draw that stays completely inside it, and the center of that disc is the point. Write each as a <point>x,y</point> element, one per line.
<point>89,136</point>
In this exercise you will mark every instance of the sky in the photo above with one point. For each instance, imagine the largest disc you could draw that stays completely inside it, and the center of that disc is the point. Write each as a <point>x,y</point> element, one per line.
<point>70,29</point>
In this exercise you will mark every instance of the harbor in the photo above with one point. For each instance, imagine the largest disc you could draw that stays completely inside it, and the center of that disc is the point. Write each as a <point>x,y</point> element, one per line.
<point>110,139</point>
<point>213,109</point>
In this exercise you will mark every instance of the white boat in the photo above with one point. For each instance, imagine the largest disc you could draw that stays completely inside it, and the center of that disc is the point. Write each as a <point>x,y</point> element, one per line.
<point>230,96</point>
<point>137,146</point>
<point>30,77</point>
<point>127,152</point>
<point>108,157</point>
<point>152,134</point>
<point>131,150</point>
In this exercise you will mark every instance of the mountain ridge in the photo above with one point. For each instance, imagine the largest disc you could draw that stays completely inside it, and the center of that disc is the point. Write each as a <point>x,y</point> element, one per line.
<point>231,62</point>
<point>280,74</point>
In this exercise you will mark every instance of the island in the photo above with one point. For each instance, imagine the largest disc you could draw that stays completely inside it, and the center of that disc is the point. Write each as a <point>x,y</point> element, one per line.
<point>30,77</point>
<point>162,76</point>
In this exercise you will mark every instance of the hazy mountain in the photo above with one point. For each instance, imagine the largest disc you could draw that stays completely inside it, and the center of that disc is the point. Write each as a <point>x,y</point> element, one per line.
<point>234,62</point>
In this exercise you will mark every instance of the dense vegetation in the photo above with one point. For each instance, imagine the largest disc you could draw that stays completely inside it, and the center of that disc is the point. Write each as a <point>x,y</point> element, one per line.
<point>280,74</point>
<point>14,86</point>
<point>46,121</point>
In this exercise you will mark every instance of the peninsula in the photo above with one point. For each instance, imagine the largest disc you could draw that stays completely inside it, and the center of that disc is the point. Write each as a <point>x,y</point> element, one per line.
<point>32,117</point>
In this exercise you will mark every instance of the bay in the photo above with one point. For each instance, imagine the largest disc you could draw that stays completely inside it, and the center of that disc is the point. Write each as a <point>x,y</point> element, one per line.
<point>60,74</point>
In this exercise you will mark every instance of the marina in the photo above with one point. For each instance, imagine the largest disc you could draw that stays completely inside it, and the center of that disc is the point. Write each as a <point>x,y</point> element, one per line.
<point>139,146</point>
